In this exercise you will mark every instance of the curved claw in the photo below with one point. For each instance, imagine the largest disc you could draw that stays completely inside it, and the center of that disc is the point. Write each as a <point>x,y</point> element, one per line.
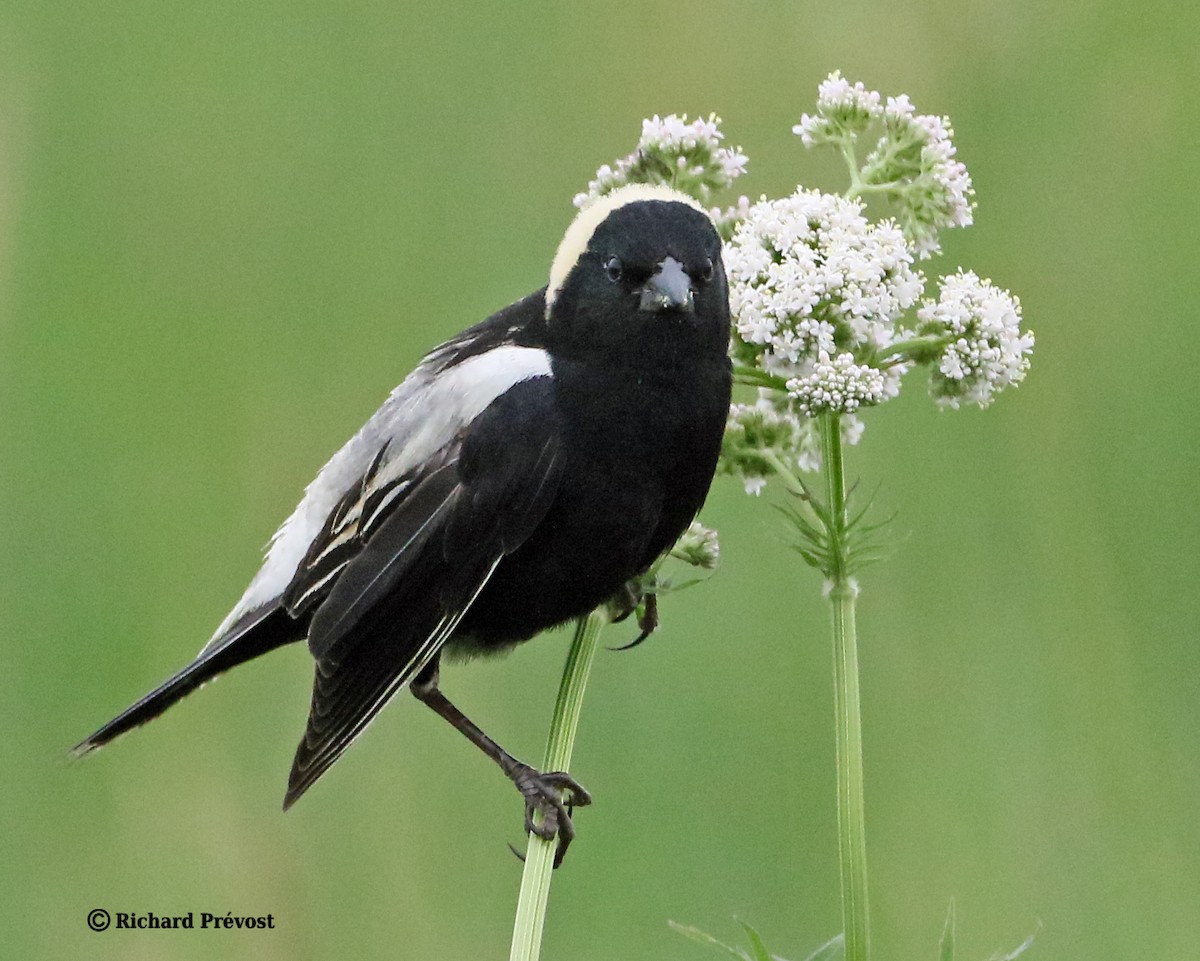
<point>544,794</point>
<point>577,795</point>
<point>647,621</point>
<point>632,644</point>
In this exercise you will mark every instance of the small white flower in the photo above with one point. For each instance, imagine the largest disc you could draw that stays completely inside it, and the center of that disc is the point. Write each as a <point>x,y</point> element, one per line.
<point>988,352</point>
<point>734,162</point>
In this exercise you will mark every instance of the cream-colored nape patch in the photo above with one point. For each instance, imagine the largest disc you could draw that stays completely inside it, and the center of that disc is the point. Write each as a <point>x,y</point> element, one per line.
<point>575,241</point>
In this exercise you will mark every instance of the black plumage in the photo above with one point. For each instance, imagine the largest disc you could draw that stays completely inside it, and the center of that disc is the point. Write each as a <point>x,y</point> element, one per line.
<point>526,471</point>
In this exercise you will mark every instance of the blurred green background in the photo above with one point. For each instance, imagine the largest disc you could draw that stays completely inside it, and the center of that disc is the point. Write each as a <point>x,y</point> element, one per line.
<point>228,229</point>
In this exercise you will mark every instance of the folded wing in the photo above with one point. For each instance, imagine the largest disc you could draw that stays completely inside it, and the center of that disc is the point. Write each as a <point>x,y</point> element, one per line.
<point>389,588</point>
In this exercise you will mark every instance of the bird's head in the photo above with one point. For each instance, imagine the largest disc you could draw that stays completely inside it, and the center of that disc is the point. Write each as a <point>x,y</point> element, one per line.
<point>638,268</point>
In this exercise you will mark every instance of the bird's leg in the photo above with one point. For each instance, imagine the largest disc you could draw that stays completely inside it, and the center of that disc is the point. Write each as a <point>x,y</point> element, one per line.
<point>543,792</point>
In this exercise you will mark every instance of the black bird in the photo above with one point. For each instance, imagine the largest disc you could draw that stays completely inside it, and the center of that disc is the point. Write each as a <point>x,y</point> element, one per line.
<point>518,478</point>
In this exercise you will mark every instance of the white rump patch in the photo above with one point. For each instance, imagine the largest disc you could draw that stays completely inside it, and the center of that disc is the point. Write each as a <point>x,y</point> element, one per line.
<point>418,419</point>
<point>579,234</point>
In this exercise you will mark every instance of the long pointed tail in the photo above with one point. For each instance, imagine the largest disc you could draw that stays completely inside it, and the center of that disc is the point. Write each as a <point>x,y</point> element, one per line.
<point>255,634</point>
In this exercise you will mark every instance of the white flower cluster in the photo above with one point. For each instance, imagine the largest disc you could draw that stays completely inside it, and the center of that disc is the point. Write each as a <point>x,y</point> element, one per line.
<point>685,155</point>
<point>988,350</point>
<point>674,133</point>
<point>823,299</point>
<point>698,546</point>
<point>769,430</point>
<point>837,384</point>
<point>934,189</point>
<point>843,109</point>
<point>809,275</point>
<point>756,434</point>
<point>913,164</point>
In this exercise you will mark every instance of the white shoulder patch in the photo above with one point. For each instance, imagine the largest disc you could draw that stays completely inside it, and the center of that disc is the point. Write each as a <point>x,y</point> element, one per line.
<point>575,241</point>
<point>418,419</point>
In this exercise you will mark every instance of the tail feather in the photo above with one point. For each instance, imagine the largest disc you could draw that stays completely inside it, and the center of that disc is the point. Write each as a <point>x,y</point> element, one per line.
<point>256,633</point>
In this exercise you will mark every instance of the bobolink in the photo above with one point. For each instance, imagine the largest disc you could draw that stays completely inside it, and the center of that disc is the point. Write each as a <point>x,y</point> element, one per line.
<point>519,477</point>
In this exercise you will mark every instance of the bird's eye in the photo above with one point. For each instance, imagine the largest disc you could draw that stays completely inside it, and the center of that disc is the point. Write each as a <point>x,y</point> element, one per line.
<point>614,268</point>
<point>706,271</point>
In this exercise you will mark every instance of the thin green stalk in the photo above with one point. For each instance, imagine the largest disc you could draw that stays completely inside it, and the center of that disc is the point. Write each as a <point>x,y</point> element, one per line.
<point>856,184</point>
<point>852,846</point>
<point>901,351</point>
<point>754,377</point>
<point>539,854</point>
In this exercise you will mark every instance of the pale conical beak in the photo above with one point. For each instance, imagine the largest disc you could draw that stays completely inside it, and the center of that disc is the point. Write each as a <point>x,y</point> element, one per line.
<point>669,288</point>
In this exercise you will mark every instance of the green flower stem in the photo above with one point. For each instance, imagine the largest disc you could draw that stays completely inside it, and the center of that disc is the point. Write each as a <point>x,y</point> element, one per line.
<point>794,485</point>
<point>859,185</point>
<point>790,480</point>
<point>909,350</point>
<point>846,145</point>
<point>539,854</point>
<point>753,377</point>
<point>852,847</point>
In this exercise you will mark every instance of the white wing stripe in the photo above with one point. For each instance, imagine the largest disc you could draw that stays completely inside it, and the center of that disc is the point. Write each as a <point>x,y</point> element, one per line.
<point>420,417</point>
<point>299,601</point>
<point>387,498</point>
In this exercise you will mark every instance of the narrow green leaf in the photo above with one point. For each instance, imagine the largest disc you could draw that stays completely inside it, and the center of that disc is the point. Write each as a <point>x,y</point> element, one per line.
<point>946,945</point>
<point>808,492</point>
<point>878,525</point>
<point>813,560</point>
<point>1019,950</point>
<point>865,559</point>
<point>810,537</point>
<point>819,509</point>
<point>753,377</point>
<point>832,950</point>
<point>756,942</point>
<point>861,512</point>
<point>703,937</point>
<point>802,523</point>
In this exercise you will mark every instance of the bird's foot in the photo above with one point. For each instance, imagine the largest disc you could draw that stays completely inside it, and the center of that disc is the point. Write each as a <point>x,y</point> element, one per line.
<point>544,794</point>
